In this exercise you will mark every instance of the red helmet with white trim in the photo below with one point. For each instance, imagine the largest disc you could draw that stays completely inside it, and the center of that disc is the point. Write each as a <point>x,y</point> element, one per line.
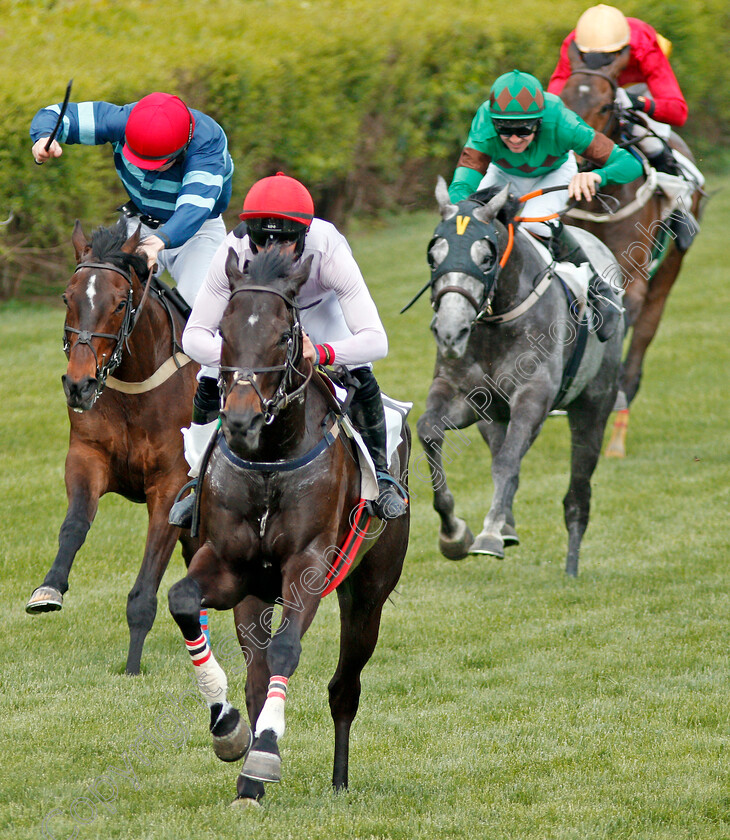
<point>159,129</point>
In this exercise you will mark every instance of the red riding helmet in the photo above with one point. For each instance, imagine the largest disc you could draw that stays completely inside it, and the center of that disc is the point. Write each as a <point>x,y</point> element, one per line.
<point>277,208</point>
<point>159,129</point>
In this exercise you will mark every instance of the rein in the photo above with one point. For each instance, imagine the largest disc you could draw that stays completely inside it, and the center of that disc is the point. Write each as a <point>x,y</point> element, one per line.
<point>248,376</point>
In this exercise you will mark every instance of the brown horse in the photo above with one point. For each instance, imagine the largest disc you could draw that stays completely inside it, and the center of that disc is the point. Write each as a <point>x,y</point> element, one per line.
<point>278,500</point>
<point>635,232</point>
<point>125,429</point>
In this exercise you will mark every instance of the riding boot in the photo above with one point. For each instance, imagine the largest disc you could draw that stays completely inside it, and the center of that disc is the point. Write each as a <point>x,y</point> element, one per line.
<point>368,417</point>
<point>682,222</point>
<point>606,304</point>
<point>206,407</point>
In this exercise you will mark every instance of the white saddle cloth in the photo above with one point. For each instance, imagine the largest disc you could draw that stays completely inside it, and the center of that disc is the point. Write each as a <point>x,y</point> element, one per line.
<point>395,415</point>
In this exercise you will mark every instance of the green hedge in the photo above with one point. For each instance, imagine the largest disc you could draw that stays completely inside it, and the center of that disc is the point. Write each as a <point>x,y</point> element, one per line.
<point>364,100</point>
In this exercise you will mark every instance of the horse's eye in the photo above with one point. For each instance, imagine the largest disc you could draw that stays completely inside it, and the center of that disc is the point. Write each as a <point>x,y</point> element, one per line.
<point>285,338</point>
<point>121,306</point>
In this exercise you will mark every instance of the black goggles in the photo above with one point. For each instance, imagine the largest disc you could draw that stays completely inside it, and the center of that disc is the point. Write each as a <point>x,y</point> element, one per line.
<point>262,238</point>
<point>508,128</point>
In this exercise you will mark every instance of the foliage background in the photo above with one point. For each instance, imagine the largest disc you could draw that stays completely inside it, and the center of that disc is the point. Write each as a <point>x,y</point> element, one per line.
<point>364,100</point>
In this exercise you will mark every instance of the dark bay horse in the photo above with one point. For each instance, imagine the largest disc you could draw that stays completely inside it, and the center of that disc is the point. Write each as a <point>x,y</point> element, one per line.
<point>278,499</point>
<point>125,429</point>
<point>635,233</point>
<point>506,338</point>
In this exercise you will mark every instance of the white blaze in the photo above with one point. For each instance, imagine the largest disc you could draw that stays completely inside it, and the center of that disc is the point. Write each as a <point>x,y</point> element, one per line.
<point>91,290</point>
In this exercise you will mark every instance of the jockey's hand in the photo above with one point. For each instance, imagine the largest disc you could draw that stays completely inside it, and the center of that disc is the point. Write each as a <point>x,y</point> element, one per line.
<point>150,246</point>
<point>308,351</point>
<point>583,185</point>
<point>40,155</point>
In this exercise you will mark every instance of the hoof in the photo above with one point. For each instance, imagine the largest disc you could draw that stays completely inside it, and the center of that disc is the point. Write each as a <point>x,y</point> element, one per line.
<point>44,599</point>
<point>509,535</point>
<point>263,762</point>
<point>488,544</point>
<point>232,737</point>
<point>456,547</point>
<point>242,802</point>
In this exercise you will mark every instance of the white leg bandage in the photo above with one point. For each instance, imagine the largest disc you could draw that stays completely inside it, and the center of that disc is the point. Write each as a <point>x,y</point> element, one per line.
<point>272,715</point>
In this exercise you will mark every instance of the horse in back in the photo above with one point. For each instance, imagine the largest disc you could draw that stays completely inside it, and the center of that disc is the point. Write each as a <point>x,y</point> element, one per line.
<point>281,522</point>
<point>508,347</point>
<point>125,428</point>
<point>637,232</point>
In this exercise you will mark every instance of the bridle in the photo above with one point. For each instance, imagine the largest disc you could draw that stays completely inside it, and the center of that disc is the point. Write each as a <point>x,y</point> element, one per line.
<point>131,316</point>
<point>282,397</point>
<point>459,259</point>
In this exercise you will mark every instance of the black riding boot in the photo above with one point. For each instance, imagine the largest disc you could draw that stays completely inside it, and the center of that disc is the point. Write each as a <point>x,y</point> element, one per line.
<point>606,304</point>
<point>206,407</point>
<point>368,417</point>
<point>682,222</point>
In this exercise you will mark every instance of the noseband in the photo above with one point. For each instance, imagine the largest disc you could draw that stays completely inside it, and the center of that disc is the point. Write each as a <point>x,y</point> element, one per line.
<point>247,376</point>
<point>105,368</point>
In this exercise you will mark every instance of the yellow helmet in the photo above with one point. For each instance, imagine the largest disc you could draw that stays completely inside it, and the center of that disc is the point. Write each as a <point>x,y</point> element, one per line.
<point>602,29</point>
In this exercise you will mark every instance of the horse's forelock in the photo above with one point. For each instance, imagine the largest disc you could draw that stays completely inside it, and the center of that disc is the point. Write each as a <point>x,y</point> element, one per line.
<point>266,267</point>
<point>106,246</point>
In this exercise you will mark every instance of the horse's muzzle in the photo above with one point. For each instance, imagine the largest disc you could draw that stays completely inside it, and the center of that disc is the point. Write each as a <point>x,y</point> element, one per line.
<point>79,395</point>
<point>242,431</point>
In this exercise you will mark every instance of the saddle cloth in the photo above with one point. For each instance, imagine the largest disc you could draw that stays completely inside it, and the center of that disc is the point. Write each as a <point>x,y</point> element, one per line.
<point>676,188</point>
<point>395,416</point>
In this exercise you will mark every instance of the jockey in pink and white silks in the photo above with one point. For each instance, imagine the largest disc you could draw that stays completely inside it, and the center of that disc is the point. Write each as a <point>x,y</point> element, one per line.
<point>343,325</point>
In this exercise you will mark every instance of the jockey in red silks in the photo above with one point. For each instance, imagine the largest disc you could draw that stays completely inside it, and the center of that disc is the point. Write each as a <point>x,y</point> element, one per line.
<point>601,35</point>
<point>339,317</point>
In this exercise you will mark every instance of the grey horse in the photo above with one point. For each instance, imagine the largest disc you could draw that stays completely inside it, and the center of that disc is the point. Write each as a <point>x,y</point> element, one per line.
<point>512,346</point>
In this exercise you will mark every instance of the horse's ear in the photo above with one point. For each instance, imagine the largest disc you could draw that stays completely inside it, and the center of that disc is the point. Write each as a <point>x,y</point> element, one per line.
<point>299,277</point>
<point>446,208</point>
<point>618,65</point>
<point>574,56</point>
<point>131,245</point>
<point>233,272</point>
<point>80,242</point>
<point>492,207</point>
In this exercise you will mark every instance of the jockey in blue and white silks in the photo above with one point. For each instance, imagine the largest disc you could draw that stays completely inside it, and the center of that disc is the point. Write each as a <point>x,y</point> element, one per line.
<point>174,164</point>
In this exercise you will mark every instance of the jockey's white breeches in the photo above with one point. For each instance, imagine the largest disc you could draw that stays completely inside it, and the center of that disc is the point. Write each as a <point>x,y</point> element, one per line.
<point>543,205</point>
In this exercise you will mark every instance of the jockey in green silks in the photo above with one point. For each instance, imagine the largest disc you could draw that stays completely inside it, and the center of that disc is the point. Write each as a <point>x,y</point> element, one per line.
<point>527,139</point>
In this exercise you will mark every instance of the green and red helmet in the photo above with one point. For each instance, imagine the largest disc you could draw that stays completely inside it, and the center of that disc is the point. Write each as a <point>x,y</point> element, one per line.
<point>517,96</point>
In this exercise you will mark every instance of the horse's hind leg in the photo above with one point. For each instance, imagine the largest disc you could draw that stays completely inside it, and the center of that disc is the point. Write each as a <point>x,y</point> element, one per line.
<point>647,322</point>
<point>361,606</point>
<point>142,598</point>
<point>587,418</point>
<point>85,484</point>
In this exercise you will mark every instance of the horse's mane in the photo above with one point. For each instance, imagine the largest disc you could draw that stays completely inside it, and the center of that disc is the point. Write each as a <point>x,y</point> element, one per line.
<point>267,266</point>
<point>510,208</point>
<point>106,246</point>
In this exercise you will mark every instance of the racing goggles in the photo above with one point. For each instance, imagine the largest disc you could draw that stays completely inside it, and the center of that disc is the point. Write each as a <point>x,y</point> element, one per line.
<point>508,128</point>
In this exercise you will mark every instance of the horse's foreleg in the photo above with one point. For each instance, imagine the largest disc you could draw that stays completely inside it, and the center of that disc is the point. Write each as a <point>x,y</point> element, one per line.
<point>527,412</point>
<point>263,762</point>
<point>142,598</point>
<point>494,434</point>
<point>253,627</point>
<point>231,734</point>
<point>85,484</point>
<point>454,536</point>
